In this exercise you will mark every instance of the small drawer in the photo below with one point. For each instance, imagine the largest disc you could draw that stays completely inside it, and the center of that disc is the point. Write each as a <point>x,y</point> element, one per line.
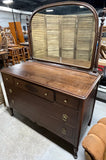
<point>67,100</point>
<point>7,78</point>
<point>35,89</point>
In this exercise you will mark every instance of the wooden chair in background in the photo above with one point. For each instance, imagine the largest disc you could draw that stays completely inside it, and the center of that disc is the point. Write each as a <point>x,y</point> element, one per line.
<point>26,53</point>
<point>13,56</point>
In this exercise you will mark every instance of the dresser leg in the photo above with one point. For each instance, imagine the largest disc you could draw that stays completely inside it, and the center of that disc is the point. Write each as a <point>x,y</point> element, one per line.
<point>11,111</point>
<point>75,152</point>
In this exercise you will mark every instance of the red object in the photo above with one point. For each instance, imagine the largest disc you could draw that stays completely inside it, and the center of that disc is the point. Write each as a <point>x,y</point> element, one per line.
<point>99,67</point>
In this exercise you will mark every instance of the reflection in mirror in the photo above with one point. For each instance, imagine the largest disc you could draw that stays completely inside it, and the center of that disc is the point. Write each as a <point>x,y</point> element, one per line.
<point>64,34</point>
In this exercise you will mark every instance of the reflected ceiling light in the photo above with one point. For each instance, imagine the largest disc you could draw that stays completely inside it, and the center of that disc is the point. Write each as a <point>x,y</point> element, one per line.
<point>7,1</point>
<point>81,6</point>
<point>49,10</point>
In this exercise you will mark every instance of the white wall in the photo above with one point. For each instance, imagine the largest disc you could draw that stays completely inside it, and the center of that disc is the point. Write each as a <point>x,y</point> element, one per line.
<point>7,16</point>
<point>104,21</point>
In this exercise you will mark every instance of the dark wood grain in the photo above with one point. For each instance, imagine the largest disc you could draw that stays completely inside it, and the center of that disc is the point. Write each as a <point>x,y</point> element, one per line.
<point>71,82</point>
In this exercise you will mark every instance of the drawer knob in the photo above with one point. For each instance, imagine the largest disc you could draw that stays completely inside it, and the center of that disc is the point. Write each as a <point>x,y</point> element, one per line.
<point>63,131</point>
<point>64,117</point>
<point>45,94</point>
<point>6,79</point>
<point>65,101</point>
<point>10,90</point>
<point>17,83</point>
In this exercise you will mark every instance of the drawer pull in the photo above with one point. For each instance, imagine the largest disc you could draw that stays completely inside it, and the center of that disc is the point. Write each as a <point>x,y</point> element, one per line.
<point>45,94</point>
<point>64,117</point>
<point>17,83</point>
<point>65,101</point>
<point>63,131</point>
<point>10,90</point>
<point>6,79</point>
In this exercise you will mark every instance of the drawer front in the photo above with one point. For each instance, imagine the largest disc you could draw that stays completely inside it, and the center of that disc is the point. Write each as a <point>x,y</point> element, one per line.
<point>35,89</point>
<point>57,127</point>
<point>67,100</point>
<point>9,86</point>
<point>64,114</point>
<point>7,79</point>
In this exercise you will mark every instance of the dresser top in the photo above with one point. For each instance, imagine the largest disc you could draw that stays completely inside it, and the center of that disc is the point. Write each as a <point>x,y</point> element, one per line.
<point>71,82</point>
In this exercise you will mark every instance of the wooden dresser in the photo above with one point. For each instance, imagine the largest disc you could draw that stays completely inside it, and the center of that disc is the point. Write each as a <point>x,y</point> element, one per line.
<point>60,100</point>
<point>57,87</point>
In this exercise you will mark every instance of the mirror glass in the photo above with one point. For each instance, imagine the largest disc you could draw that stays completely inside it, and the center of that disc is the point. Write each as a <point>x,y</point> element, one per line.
<point>64,34</point>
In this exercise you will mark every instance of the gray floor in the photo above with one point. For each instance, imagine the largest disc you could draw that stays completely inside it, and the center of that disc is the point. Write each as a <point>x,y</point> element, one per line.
<point>19,141</point>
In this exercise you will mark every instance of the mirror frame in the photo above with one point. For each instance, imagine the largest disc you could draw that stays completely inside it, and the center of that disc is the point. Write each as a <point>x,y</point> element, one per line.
<point>94,53</point>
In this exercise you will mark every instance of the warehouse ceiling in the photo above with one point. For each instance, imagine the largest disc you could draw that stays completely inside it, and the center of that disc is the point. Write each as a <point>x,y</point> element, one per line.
<point>31,5</point>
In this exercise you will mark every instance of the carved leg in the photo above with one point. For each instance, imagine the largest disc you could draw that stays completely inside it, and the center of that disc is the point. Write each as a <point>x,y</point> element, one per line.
<point>75,152</point>
<point>11,111</point>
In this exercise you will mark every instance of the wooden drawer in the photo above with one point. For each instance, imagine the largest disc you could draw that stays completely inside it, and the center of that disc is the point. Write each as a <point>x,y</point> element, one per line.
<point>35,89</point>
<point>7,78</point>
<point>64,114</point>
<point>9,86</point>
<point>58,127</point>
<point>67,100</point>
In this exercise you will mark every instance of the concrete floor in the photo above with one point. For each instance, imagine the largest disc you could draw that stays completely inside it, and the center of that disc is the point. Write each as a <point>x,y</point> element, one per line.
<point>20,141</point>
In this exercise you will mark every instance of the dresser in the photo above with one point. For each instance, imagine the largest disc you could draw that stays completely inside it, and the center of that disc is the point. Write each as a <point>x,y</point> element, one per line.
<point>60,100</point>
<point>57,87</point>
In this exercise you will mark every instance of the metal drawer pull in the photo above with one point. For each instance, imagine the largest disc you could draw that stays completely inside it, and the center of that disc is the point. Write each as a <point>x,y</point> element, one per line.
<point>17,83</point>
<point>65,101</point>
<point>64,117</point>
<point>12,101</point>
<point>10,90</point>
<point>45,94</point>
<point>63,131</point>
<point>6,79</point>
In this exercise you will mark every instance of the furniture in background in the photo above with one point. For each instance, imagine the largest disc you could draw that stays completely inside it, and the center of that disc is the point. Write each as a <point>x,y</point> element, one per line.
<point>95,141</point>
<point>4,57</point>
<point>103,51</point>
<point>2,101</point>
<point>57,88</point>
<point>16,30</point>
<point>10,38</point>
<point>13,56</point>
<point>17,54</point>
<point>24,44</point>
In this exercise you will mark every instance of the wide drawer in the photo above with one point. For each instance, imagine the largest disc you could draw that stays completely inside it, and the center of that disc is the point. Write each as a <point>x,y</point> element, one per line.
<point>58,127</point>
<point>64,114</point>
<point>35,89</point>
<point>67,100</point>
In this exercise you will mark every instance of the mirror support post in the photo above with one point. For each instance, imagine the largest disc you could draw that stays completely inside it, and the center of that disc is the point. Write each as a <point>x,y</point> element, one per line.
<point>99,40</point>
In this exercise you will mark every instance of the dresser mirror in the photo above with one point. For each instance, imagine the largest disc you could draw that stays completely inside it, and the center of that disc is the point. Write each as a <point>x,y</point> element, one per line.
<point>64,34</point>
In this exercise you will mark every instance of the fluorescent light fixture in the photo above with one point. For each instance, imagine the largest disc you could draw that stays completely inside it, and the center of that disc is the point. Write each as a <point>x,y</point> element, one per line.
<point>81,6</point>
<point>7,1</point>
<point>49,10</point>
